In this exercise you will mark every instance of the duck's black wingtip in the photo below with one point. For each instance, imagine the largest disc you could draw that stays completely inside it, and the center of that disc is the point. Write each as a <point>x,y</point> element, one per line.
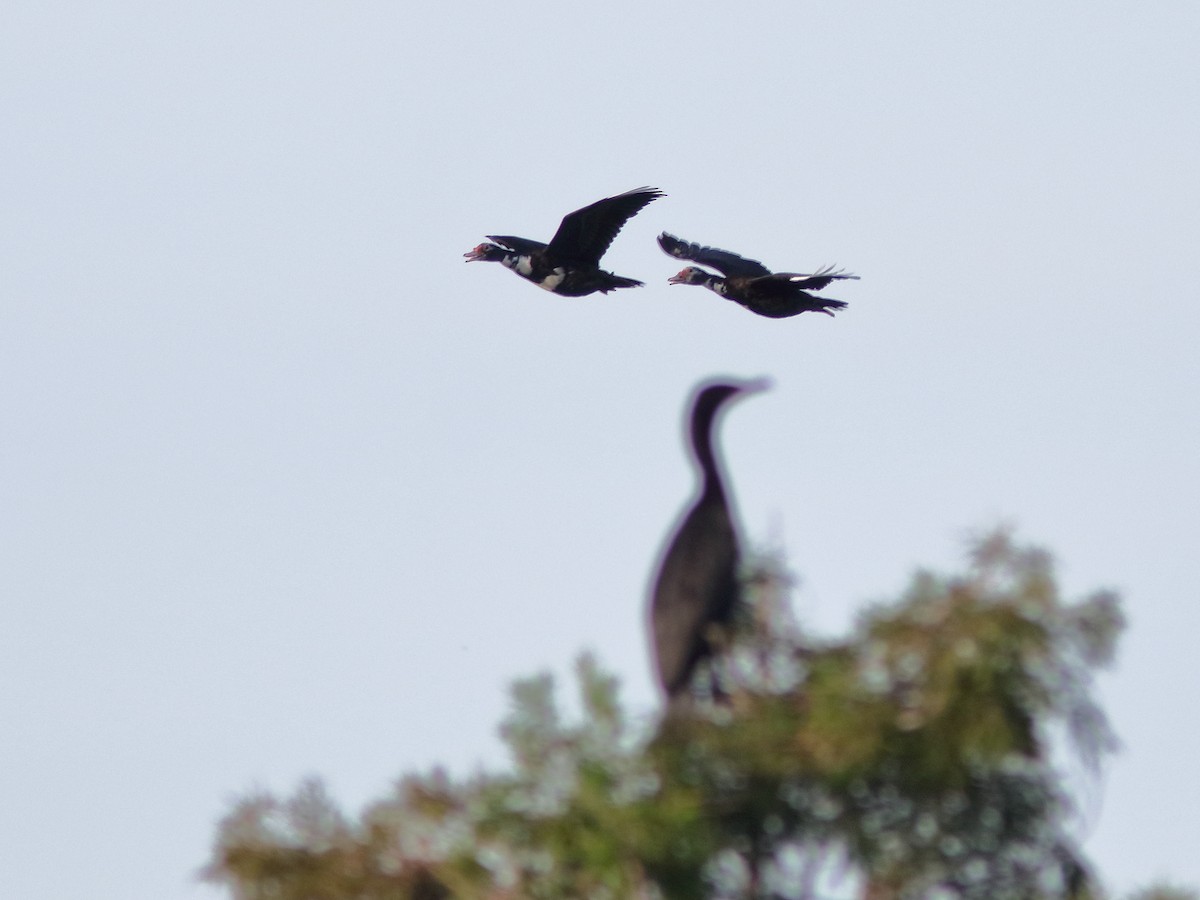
<point>671,245</point>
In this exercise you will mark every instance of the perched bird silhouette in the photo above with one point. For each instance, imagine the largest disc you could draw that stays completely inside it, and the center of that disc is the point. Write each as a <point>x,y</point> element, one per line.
<point>696,590</point>
<point>570,264</point>
<point>776,295</point>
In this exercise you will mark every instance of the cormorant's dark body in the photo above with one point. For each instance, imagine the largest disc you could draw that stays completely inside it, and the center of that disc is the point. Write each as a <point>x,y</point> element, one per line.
<point>776,295</point>
<point>570,264</point>
<point>697,588</point>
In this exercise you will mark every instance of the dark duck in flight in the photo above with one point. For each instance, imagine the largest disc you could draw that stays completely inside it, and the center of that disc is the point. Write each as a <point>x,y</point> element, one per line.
<point>570,264</point>
<point>696,590</point>
<point>776,295</point>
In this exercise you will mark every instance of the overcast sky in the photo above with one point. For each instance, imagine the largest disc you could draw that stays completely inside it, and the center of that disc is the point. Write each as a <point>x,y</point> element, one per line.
<point>287,489</point>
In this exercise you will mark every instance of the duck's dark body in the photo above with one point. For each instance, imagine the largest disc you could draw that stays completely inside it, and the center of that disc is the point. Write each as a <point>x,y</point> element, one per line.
<point>570,264</point>
<point>776,295</point>
<point>696,587</point>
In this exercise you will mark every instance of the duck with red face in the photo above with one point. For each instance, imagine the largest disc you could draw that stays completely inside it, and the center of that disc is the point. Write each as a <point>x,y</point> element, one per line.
<point>570,264</point>
<point>776,295</point>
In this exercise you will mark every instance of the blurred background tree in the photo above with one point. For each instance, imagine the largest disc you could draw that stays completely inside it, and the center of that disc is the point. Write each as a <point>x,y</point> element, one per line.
<point>919,757</point>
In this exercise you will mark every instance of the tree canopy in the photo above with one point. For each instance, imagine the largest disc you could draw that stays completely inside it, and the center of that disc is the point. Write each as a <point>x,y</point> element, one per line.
<point>919,756</point>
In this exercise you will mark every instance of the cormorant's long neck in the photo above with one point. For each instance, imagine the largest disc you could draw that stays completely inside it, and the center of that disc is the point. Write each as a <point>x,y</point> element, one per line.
<point>702,447</point>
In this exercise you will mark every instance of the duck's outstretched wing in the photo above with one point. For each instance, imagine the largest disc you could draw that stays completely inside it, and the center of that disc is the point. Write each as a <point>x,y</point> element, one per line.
<point>728,264</point>
<point>585,234</point>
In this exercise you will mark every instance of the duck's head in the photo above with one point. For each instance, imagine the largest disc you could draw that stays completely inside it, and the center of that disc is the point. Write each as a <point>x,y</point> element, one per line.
<point>485,252</point>
<point>690,275</point>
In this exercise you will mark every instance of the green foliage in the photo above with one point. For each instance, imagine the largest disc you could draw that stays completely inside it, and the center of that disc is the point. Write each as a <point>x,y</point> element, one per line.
<point>913,755</point>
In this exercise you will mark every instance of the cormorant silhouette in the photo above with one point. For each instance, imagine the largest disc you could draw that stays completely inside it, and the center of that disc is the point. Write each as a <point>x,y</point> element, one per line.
<point>696,589</point>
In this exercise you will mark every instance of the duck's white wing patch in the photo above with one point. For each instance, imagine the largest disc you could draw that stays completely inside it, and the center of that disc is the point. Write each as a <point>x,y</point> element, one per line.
<point>553,280</point>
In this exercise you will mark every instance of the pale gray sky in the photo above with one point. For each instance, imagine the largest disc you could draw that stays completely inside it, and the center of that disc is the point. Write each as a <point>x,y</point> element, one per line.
<point>288,489</point>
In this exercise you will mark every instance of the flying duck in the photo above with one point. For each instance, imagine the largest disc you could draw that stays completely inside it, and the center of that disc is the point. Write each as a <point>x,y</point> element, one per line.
<point>696,587</point>
<point>570,264</point>
<point>776,295</point>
